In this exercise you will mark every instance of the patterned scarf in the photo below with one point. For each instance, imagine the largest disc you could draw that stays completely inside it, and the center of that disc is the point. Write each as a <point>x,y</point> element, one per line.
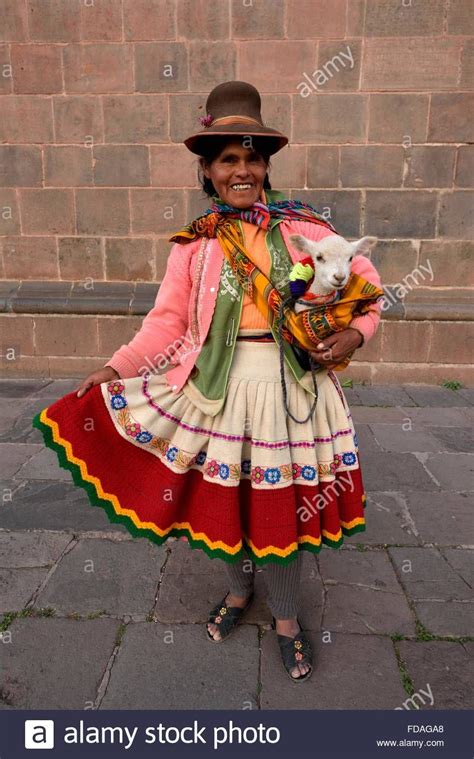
<point>259,214</point>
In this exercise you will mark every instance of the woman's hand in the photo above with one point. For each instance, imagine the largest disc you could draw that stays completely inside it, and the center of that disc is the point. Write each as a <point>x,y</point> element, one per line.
<point>101,375</point>
<point>335,348</point>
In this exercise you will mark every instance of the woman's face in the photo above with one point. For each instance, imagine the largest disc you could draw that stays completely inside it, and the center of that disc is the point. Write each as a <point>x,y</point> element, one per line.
<point>237,174</point>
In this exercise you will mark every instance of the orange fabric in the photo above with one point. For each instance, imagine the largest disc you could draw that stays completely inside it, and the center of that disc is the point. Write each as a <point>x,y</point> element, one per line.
<point>254,242</point>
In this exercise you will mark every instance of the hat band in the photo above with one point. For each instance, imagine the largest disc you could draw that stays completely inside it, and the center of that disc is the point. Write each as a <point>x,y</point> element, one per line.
<point>236,119</point>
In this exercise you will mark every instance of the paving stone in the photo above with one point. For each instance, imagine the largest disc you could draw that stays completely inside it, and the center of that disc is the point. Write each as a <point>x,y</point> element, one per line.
<point>387,521</point>
<point>368,569</point>
<point>395,471</point>
<point>154,658</point>
<point>446,618</point>
<point>442,518</point>
<point>444,667</point>
<point>462,561</point>
<point>384,395</point>
<point>460,440</point>
<point>31,549</point>
<point>22,430</point>
<point>352,396</point>
<point>46,505</point>
<point>378,414</point>
<point>392,437</point>
<point>468,394</point>
<point>22,388</point>
<point>366,440</point>
<point>441,417</point>
<point>354,609</point>
<point>44,465</point>
<point>454,471</point>
<point>14,455</point>
<point>58,388</point>
<point>426,575</point>
<point>434,396</point>
<point>10,410</point>
<point>56,663</point>
<point>104,575</point>
<point>342,666</point>
<point>17,586</point>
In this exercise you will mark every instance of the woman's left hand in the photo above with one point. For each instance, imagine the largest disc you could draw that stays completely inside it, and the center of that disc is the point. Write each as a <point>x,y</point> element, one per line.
<point>335,348</point>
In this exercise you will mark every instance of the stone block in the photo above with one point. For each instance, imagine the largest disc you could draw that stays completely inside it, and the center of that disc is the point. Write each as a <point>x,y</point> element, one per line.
<point>20,166</point>
<point>263,20</point>
<point>401,213</point>
<point>47,211</point>
<point>394,438</point>
<point>53,505</point>
<point>161,66</point>
<point>26,120</point>
<point>429,166</point>
<point>102,211</point>
<point>121,165</point>
<point>443,518</point>
<point>316,19</point>
<point>119,578</point>
<point>456,215</point>
<point>136,118</point>
<point>149,20</point>
<point>289,60</point>
<point>352,609</point>
<point>18,587</point>
<point>36,69</point>
<point>100,67</point>
<point>389,18</point>
<point>427,576</point>
<point>30,549</point>
<point>36,677</point>
<point>68,166</point>
<point>411,122</point>
<point>330,118</point>
<point>336,687</point>
<point>465,166</point>
<point>454,471</point>
<point>371,166</point>
<point>197,19</point>
<point>134,684</point>
<point>444,667</point>
<point>410,63</point>
<point>78,119</point>
<point>450,117</point>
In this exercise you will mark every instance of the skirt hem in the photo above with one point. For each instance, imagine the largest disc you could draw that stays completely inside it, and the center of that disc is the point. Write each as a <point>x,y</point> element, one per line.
<point>228,556</point>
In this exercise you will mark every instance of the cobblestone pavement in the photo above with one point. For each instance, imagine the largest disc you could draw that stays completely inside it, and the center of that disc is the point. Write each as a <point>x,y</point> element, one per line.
<point>92,618</point>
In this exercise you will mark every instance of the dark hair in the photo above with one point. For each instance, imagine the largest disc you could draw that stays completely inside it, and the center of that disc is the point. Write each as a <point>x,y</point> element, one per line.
<point>215,147</point>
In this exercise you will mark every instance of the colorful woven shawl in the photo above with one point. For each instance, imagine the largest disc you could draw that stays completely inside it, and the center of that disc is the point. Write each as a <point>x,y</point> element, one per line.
<point>308,327</point>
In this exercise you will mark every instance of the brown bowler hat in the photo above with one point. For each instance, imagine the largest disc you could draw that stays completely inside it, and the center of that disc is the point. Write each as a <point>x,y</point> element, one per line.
<point>233,108</point>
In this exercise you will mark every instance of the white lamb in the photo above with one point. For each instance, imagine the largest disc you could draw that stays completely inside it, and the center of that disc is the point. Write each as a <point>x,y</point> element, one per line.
<point>332,257</point>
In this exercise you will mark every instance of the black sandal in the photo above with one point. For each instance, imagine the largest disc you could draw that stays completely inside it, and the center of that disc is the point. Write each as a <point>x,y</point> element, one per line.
<point>295,651</point>
<point>226,618</point>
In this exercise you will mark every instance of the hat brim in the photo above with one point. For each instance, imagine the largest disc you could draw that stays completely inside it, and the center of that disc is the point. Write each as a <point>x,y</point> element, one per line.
<point>276,140</point>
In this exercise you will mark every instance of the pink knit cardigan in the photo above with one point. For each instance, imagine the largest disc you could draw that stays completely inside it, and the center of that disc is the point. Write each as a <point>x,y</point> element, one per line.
<point>185,303</point>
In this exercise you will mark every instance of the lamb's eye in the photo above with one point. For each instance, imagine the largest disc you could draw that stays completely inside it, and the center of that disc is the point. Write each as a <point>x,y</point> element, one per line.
<point>320,258</point>
<point>350,259</point>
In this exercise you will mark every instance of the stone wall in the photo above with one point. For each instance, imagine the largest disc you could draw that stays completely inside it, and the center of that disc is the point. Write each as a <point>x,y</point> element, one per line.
<point>97,95</point>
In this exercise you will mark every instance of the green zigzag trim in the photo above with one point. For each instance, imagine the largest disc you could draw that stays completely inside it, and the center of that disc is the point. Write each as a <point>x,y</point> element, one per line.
<point>137,532</point>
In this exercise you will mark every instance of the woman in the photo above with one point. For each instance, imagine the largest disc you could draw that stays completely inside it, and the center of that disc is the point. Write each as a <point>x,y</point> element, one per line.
<point>207,450</point>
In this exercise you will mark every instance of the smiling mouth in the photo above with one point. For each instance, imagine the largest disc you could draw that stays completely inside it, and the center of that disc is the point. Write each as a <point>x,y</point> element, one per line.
<point>241,187</point>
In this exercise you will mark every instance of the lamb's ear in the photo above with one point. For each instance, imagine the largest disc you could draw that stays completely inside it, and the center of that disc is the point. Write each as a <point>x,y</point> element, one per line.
<point>301,243</point>
<point>364,245</point>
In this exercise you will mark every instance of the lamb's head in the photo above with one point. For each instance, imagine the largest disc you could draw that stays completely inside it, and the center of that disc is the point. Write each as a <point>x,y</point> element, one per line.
<point>332,257</point>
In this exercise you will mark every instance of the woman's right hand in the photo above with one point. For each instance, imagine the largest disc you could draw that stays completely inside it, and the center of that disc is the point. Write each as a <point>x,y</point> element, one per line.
<point>101,375</point>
